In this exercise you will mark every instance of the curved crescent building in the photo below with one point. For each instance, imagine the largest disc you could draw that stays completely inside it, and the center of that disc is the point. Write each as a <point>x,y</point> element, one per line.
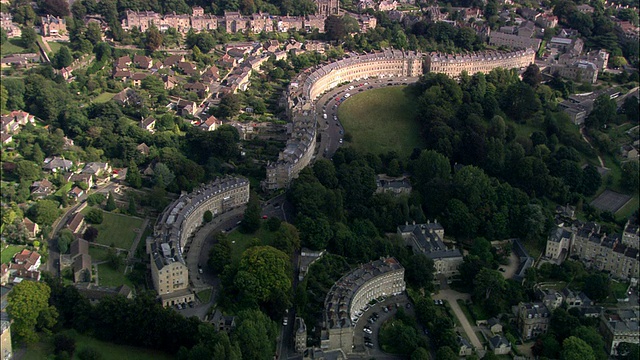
<point>349,298</point>
<point>177,223</point>
<point>313,82</point>
<point>310,84</point>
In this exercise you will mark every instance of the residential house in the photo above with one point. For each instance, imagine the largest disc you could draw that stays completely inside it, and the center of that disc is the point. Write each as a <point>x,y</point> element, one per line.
<point>76,192</point>
<point>19,60</point>
<point>500,345</point>
<point>387,5</point>
<point>53,25</point>
<point>211,74</point>
<point>173,60</point>
<point>186,107</point>
<point>551,298</point>
<point>199,88</point>
<point>223,322</point>
<point>20,117</point>
<point>188,68</point>
<point>142,61</point>
<point>148,124</point>
<point>427,239</point>
<point>56,163</point>
<point>31,227</point>
<point>4,274</point>
<point>494,325</point>
<point>271,46</point>
<point>97,168</point>
<point>227,61</point>
<point>464,347</point>
<point>76,224</point>
<point>170,81</point>
<point>5,138</point>
<point>42,188</point>
<point>82,178</point>
<point>136,78</point>
<point>210,124</point>
<point>143,148</point>
<point>25,265</point>
<point>123,63</point>
<point>533,319</point>
<point>126,97</point>
<point>394,185</point>
<point>122,75</point>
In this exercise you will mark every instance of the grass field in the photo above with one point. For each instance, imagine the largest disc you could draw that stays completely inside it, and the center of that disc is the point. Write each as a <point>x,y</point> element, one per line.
<point>108,351</point>
<point>103,98</point>
<point>240,241</point>
<point>382,120</point>
<point>204,296</point>
<point>117,229</point>
<point>8,252</point>
<point>12,46</point>
<point>110,278</point>
<point>55,46</point>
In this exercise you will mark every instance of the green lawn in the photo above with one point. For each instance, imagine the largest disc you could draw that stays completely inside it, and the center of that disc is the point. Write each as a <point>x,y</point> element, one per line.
<point>619,290</point>
<point>12,46</point>
<point>109,351</point>
<point>382,120</point>
<point>103,98</point>
<point>204,296</point>
<point>111,278</point>
<point>98,253</point>
<point>117,229</point>
<point>64,189</point>
<point>240,241</point>
<point>8,252</point>
<point>55,46</point>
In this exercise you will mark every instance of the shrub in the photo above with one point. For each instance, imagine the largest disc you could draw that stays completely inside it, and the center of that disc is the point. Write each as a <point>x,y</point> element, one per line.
<point>94,216</point>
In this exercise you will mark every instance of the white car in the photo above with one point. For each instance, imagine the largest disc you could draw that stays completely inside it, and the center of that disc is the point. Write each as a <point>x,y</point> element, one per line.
<point>285,322</point>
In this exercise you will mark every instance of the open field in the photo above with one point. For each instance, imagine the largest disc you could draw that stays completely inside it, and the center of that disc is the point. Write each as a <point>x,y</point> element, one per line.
<point>117,229</point>
<point>103,98</point>
<point>8,252</point>
<point>382,120</point>
<point>12,46</point>
<point>108,351</point>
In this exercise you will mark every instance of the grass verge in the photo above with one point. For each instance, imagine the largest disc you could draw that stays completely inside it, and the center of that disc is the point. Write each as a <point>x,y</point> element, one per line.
<point>204,296</point>
<point>111,278</point>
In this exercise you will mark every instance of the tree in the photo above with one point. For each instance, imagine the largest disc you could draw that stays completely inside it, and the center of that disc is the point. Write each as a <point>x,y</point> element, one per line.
<point>153,38</point>
<point>59,8</point>
<point>629,351</point>
<point>604,111</point>
<point>90,234</point>
<point>591,336</point>
<point>28,38</point>
<point>87,352</point>
<point>229,105</point>
<point>445,353</point>
<point>419,271</point>
<point>596,286</point>
<point>133,178</point>
<point>162,175</point>
<point>220,254</point>
<point>28,306</point>
<point>111,203</point>
<point>4,94</point>
<point>315,233</point>
<point>273,224</point>
<point>62,58</point>
<point>44,212</point>
<point>94,216</point>
<point>251,220</point>
<point>422,354</point>
<point>65,237</point>
<point>114,259</point>
<point>532,76</point>
<point>574,348</point>
<point>207,216</point>
<point>489,290</point>
<point>334,28</point>
<point>264,274</point>
<point>27,171</point>
<point>630,179</point>
<point>64,343</point>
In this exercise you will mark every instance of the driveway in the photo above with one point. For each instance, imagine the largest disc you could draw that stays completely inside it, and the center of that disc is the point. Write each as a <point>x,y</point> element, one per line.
<point>451,296</point>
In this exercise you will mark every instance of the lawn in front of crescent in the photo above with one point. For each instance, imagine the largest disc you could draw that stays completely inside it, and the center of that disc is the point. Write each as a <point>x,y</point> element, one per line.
<point>382,120</point>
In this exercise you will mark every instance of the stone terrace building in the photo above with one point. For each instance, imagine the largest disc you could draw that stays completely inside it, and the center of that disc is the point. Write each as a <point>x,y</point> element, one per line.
<point>350,295</point>
<point>177,223</point>
<point>484,62</point>
<point>619,327</point>
<point>312,83</point>
<point>533,319</point>
<point>427,239</point>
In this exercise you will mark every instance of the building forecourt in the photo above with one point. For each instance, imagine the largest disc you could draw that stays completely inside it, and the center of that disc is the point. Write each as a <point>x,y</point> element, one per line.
<point>349,298</point>
<point>177,223</point>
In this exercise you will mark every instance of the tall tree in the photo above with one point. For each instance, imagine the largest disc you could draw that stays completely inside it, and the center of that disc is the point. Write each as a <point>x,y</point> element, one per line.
<point>44,212</point>
<point>28,306</point>
<point>574,348</point>
<point>152,38</point>
<point>604,111</point>
<point>62,58</point>
<point>263,274</point>
<point>28,38</point>
<point>532,76</point>
<point>133,178</point>
<point>111,203</point>
<point>251,220</point>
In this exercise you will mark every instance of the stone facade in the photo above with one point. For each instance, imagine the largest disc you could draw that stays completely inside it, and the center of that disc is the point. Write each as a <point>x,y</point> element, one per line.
<point>177,223</point>
<point>427,239</point>
<point>349,297</point>
<point>619,327</point>
<point>454,65</point>
<point>533,319</point>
